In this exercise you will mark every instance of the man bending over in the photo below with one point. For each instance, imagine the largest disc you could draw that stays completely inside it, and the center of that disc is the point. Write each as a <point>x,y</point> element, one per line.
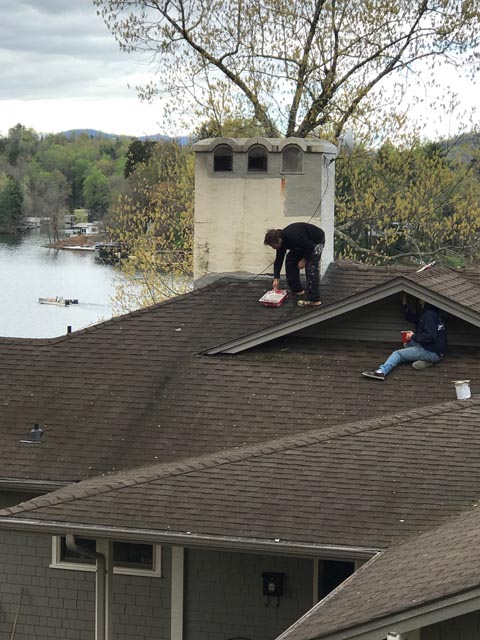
<point>304,243</point>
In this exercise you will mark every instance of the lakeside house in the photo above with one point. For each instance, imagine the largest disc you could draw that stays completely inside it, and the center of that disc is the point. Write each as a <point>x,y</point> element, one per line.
<point>213,469</point>
<point>85,228</point>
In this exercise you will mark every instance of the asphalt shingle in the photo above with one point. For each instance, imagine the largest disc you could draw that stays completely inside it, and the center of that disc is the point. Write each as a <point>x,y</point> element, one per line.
<point>427,568</point>
<point>135,390</point>
<point>364,484</point>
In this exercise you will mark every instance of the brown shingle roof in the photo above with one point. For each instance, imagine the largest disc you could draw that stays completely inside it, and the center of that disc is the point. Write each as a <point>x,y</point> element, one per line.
<point>134,391</point>
<point>364,484</point>
<point>453,285</point>
<point>426,568</point>
<point>127,409</point>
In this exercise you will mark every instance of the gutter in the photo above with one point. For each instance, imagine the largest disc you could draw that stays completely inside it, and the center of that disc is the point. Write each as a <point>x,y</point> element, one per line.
<point>188,539</point>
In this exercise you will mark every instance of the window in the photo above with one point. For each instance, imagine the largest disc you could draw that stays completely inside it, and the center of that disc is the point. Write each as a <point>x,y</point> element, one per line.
<point>257,159</point>
<point>223,158</point>
<point>72,556</point>
<point>128,557</point>
<point>292,160</point>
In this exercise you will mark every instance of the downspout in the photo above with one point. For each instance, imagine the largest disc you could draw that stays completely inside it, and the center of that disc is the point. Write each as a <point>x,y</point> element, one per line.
<point>103,586</point>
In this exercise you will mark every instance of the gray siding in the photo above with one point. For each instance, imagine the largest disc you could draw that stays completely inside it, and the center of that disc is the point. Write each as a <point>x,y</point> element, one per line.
<point>61,604</point>
<point>382,321</point>
<point>465,627</point>
<point>223,595</point>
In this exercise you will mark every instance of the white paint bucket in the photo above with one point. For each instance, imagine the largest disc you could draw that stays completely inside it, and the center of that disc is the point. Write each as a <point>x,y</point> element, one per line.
<point>462,388</point>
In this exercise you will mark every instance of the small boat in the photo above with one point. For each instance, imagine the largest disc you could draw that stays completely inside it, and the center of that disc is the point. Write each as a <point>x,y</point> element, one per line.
<point>81,247</point>
<point>60,302</point>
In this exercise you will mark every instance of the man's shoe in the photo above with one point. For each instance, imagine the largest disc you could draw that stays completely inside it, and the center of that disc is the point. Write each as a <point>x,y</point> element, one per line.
<point>421,364</point>
<point>299,293</point>
<point>377,374</point>
<point>308,303</point>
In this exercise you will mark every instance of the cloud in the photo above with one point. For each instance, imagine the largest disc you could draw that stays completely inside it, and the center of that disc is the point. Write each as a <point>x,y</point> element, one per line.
<point>53,48</point>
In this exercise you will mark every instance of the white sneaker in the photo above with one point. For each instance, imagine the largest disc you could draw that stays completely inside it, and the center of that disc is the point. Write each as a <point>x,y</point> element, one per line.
<point>421,364</point>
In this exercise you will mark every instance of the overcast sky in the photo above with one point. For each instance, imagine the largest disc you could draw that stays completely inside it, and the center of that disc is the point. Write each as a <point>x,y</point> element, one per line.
<point>60,68</point>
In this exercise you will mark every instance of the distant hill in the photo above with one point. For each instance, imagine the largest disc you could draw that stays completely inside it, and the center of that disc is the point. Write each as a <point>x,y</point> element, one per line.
<point>95,133</point>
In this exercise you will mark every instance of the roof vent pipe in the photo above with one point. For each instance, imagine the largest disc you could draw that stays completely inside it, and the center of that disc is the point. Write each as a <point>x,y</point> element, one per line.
<point>36,435</point>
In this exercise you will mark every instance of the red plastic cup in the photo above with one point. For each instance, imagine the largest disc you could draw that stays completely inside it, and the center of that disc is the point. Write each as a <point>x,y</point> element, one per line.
<point>405,339</point>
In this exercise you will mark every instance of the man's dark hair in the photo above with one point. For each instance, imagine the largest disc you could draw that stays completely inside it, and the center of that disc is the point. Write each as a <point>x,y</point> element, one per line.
<point>273,236</point>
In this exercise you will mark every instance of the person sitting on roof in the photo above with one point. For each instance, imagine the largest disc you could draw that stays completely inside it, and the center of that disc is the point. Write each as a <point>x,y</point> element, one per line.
<point>304,243</point>
<point>426,345</point>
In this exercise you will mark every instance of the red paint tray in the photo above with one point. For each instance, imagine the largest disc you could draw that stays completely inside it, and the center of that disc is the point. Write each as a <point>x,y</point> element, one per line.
<point>273,298</point>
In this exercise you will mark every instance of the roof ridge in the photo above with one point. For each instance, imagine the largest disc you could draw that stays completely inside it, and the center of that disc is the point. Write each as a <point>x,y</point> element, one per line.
<point>134,477</point>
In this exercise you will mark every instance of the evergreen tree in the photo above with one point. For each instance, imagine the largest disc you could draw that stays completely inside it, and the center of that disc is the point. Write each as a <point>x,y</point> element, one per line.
<point>11,201</point>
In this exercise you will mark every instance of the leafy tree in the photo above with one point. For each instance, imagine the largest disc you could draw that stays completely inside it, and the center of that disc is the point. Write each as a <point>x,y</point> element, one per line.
<point>96,192</point>
<point>296,67</point>
<point>52,170</point>
<point>230,127</point>
<point>81,168</point>
<point>56,197</point>
<point>419,203</point>
<point>140,151</point>
<point>153,221</point>
<point>11,200</point>
<point>47,197</point>
<point>21,142</point>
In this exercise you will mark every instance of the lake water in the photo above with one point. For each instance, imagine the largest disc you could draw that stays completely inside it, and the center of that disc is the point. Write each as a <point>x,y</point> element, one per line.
<point>29,271</point>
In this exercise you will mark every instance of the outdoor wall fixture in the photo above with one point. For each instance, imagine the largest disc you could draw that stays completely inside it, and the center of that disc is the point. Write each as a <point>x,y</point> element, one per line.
<point>272,586</point>
<point>36,435</point>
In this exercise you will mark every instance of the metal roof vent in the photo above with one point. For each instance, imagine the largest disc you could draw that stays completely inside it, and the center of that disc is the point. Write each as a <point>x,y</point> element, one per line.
<point>36,435</point>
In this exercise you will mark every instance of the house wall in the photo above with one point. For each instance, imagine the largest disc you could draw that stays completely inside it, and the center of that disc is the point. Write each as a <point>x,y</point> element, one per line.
<point>465,627</point>
<point>382,321</point>
<point>223,595</point>
<point>234,209</point>
<point>58,603</point>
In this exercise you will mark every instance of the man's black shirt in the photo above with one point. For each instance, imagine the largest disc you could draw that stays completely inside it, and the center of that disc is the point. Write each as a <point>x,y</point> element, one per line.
<point>299,236</point>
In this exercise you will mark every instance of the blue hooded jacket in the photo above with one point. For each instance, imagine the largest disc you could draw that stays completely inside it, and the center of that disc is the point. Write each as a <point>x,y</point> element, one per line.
<point>430,329</point>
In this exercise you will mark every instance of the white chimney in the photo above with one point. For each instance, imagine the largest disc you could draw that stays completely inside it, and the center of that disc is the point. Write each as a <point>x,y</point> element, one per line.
<point>245,186</point>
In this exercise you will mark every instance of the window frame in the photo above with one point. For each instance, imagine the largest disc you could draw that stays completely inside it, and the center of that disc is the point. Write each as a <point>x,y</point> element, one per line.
<point>58,563</point>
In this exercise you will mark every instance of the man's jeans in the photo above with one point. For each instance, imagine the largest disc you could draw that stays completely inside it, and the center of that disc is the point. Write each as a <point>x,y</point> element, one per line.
<point>409,354</point>
<point>312,272</point>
